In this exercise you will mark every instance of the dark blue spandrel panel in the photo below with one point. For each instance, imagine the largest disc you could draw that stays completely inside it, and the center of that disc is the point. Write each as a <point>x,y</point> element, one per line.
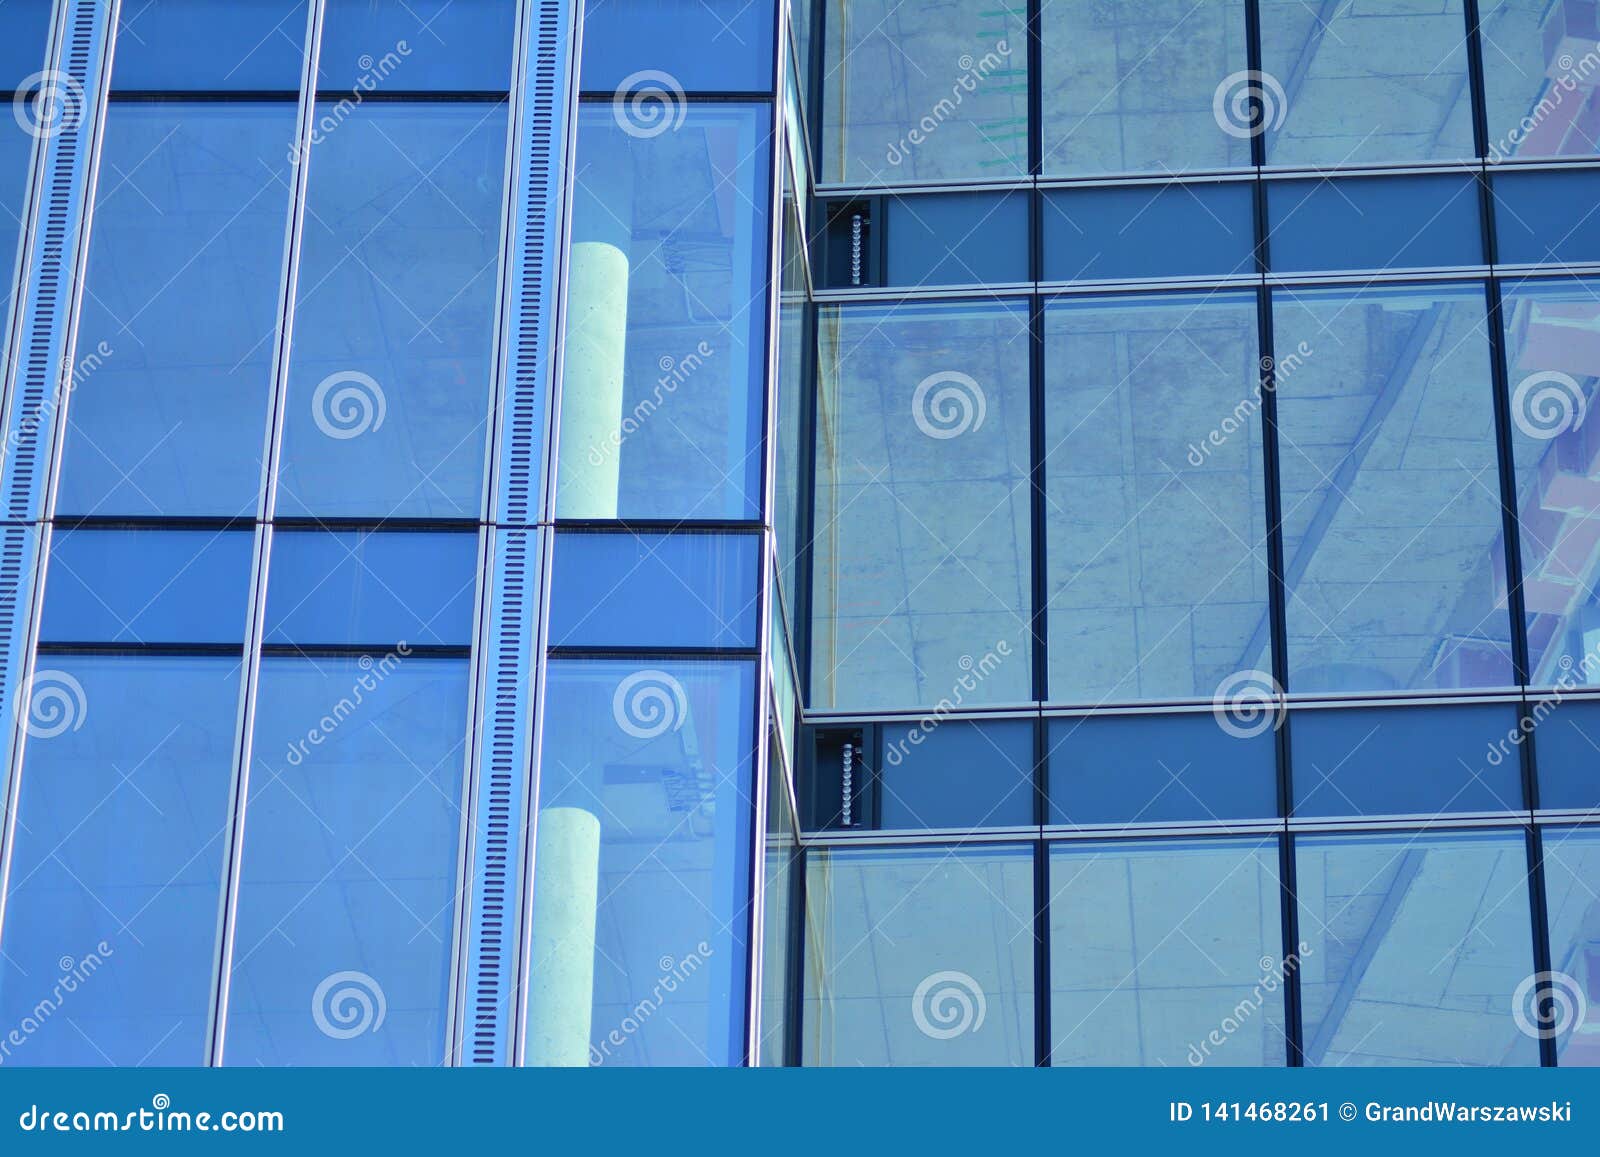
<point>957,774</point>
<point>1547,218</point>
<point>1148,231</point>
<point>1406,760</point>
<point>349,878</point>
<point>957,239</point>
<point>1567,747</point>
<point>1160,769</point>
<point>654,590</point>
<point>201,45</point>
<point>1374,223</point>
<point>417,46</point>
<point>147,586</point>
<point>697,45</point>
<point>116,874</point>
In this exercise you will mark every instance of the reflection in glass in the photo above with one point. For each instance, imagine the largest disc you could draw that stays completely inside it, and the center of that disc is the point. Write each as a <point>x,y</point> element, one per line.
<point>919,956</point>
<point>1540,77</point>
<point>1391,502</point>
<point>704,45</point>
<point>1414,944</point>
<point>1572,882</point>
<point>116,872</point>
<point>1156,947</point>
<point>351,855</point>
<point>418,45</point>
<point>922,549</point>
<point>1155,515</point>
<point>782,860</point>
<point>642,868</point>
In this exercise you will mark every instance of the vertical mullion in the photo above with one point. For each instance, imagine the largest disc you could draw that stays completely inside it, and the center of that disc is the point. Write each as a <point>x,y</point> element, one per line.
<point>1539,909</point>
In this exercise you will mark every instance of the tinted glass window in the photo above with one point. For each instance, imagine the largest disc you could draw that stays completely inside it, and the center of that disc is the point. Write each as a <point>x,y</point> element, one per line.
<point>1568,753</point>
<point>1540,68</point>
<point>1147,231</point>
<point>249,44</point>
<point>1367,223</point>
<point>1571,872</point>
<point>957,239</point>
<point>24,33</point>
<point>419,45</point>
<point>957,774</point>
<point>1547,218</point>
<point>700,45</point>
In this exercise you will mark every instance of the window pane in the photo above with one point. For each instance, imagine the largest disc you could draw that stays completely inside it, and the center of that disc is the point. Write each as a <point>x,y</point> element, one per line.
<point>1374,223</point>
<point>418,45</point>
<point>1385,80</point>
<point>1540,67</point>
<point>372,588</point>
<point>1129,87</point>
<point>122,824</point>
<point>1155,512</point>
<point>919,957</point>
<point>1553,362</point>
<point>1166,953</point>
<point>920,93</point>
<point>148,586</point>
<point>654,590</point>
<point>248,44</point>
<point>923,542</point>
<point>180,315</point>
<point>1544,218</point>
<point>1571,875</point>
<point>1139,231</point>
<point>1391,503</point>
<point>394,326</point>
<point>643,864</point>
<point>1405,760</point>
<point>782,861</point>
<point>664,355</point>
<point>348,882</point>
<point>1129,769</point>
<point>1414,946</point>
<point>957,774</point>
<point>956,239</point>
<point>24,33</point>
<point>1567,753</point>
<point>702,45</point>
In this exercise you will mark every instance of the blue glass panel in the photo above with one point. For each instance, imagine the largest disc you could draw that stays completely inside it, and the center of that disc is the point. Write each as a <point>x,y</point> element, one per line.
<point>919,956</point>
<point>372,587</point>
<point>1540,69</point>
<point>1571,881</point>
<point>701,45</point>
<point>418,45</point>
<point>1347,84</point>
<point>1155,511</point>
<point>1567,752</point>
<point>1547,218</point>
<point>1412,947</point>
<point>174,373</point>
<point>1391,503</point>
<point>1130,87</point>
<point>654,590</point>
<point>1184,230</point>
<point>923,572</point>
<point>25,25</point>
<point>924,93</point>
<point>957,239</point>
<point>348,883</point>
<point>247,44</point>
<point>666,318</point>
<point>644,815</point>
<point>781,852</point>
<point>1552,338</point>
<point>957,774</point>
<point>24,35</point>
<point>394,326</point>
<point>1405,760</point>
<point>1167,953</point>
<point>116,875</point>
<point>1125,769</point>
<point>147,586</point>
<point>1374,223</point>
